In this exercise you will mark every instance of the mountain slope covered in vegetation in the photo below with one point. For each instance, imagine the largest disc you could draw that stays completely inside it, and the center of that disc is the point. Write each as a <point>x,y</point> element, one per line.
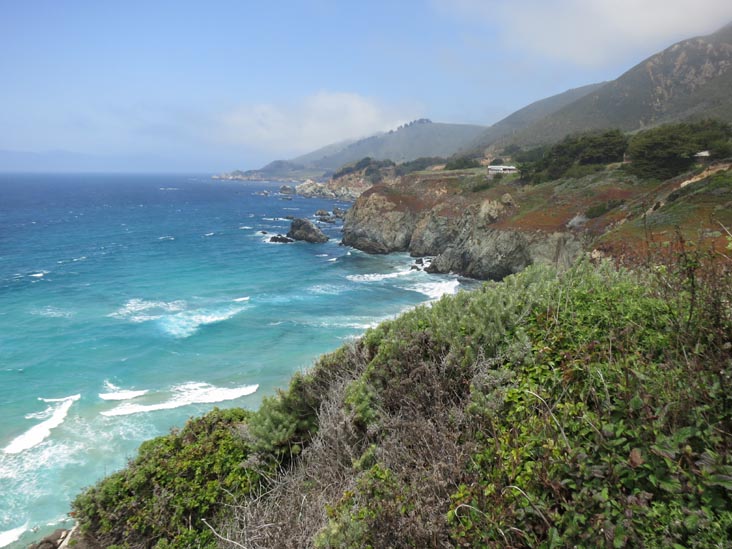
<point>689,80</point>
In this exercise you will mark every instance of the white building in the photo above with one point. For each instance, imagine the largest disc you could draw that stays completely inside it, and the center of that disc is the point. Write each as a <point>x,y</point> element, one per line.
<point>501,169</point>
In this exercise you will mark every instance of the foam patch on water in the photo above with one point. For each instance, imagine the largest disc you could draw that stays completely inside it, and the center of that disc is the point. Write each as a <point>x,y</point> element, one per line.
<point>38,433</point>
<point>241,299</point>
<point>52,312</point>
<point>9,536</point>
<point>166,237</point>
<point>376,277</point>
<point>185,395</point>
<point>327,289</point>
<point>39,274</point>
<point>140,310</point>
<point>116,393</point>
<point>209,234</point>
<point>187,323</point>
<point>435,290</point>
<point>245,228</point>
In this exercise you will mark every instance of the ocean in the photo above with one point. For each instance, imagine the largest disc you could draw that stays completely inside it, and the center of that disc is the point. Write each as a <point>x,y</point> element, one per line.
<point>129,303</point>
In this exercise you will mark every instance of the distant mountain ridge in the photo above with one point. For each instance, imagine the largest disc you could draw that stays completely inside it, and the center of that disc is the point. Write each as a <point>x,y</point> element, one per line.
<point>419,138</point>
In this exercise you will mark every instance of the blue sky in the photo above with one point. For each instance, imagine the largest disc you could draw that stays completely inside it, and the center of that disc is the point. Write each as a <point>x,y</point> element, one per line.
<point>218,85</point>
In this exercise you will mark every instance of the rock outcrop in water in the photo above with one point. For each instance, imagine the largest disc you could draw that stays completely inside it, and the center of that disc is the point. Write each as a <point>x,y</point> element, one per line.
<point>303,229</point>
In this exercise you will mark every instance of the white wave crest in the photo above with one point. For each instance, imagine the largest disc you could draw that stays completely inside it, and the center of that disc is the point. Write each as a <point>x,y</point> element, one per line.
<point>241,299</point>
<point>184,395</point>
<point>245,228</point>
<point>9,536</point>
<point>139,310</point>
<point>209,234</point>
<point>435,290</point>
<point>39,274</point>
<point>187,323</point>
<point>38,433</point>
<point>166,237</point>
<point>115,393</point>
<point>375,277</point>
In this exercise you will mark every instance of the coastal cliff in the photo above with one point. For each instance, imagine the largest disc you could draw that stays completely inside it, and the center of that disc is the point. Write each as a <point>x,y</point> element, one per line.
<point>443,215</point>
<point>490,227</point>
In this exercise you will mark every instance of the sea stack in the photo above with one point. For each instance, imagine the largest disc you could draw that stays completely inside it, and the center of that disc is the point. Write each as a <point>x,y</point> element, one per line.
<point>303,229</point>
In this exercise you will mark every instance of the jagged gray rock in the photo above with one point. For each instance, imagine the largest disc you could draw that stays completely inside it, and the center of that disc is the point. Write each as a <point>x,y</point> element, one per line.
<point>303,229</point>
<point>466,243</point>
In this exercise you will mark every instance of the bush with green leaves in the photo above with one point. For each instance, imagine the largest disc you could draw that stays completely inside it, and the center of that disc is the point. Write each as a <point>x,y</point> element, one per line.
<point>176,482</point>
<point>462,163</point>
<point>668,150</point>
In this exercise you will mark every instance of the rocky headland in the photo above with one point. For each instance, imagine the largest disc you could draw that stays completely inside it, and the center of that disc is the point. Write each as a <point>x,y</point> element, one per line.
<point>431,214</point>
<point>489,228</point>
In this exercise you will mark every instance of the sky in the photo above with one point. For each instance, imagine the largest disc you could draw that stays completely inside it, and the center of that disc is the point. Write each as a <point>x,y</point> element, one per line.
<point>194,86</point>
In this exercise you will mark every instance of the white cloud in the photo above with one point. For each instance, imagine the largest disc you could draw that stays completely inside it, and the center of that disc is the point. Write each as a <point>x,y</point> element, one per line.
<point>317,120</point>
<point>593,32</point>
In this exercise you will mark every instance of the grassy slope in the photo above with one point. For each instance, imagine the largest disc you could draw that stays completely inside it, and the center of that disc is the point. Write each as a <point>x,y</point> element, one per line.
<point>670,86</point>
<point>584,408</point>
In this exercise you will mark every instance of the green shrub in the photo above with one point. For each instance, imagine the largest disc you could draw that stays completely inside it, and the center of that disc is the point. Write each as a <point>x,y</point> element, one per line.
<point>462,163</point>
<point>175,482</point>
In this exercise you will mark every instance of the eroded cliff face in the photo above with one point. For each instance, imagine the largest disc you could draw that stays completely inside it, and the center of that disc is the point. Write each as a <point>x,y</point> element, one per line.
<point>439,215</point>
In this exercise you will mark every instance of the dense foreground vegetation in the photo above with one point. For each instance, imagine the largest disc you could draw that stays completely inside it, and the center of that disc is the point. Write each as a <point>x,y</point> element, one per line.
<point>584,408</point>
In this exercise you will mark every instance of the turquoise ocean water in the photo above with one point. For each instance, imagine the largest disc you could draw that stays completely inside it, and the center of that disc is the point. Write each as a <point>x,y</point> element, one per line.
<point>131,303</point>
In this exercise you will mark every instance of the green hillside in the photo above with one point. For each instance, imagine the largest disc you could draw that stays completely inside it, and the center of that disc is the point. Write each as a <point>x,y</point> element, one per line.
<point>528,115</point>
<point>689,80</point>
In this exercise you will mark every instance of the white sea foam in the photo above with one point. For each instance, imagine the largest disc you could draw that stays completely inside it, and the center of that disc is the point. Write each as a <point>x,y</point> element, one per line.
<point>435,290</point>
<point>38,433</point>
<point>184,395</point>
<point>241,299</point>
<point>326,289</point>
<point>140,310</point>
<point>321,255</point>
<point>9,536</point>
<point>166,237</point>
<point>43,414</point>
<point>81,258</point>
<point>39,274</point>
<point>209,234</point>
<point>186,323</point>
<point>245,228</point>
<point>334,259</point>
<point>116,393</point>
<point>376,277</point>
<point>52,312</point>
